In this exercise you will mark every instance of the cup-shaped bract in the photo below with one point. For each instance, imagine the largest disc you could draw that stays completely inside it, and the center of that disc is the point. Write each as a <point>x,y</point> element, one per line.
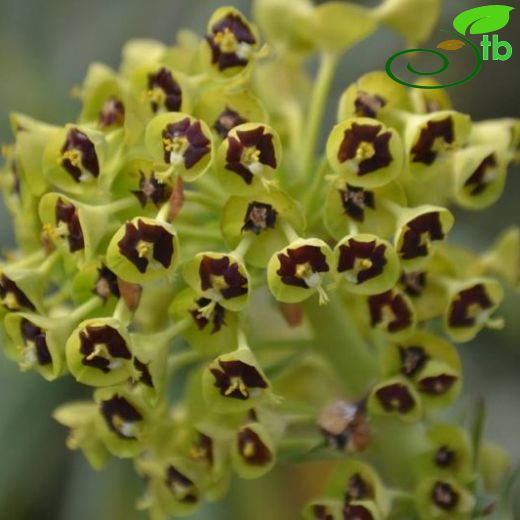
<point>75,160</point>
<point>121,416</point>
<point>366,264</point>
<point>348,207</point>
<point>372,95</point>
<point>143,250</point>
<point>431,139</point>
<point>261,216</point>
<point>21,289</point>
<point>81,419</point>
<point>76,227</point>
<point>248,158</point>
<point>470,307</point>
<point>364,152</point>
<point>36,343</point>
<point>397,397</point>
<point>234,382</point>
<point>392,313</point>
<point>253,451</point>
<point>297,272</point>
<point>211,332</point>
<point>443,498</point>
<point>180,143</point>
<point>220,278</point>
<point>231,43</point>
<point>104,98</point>
<point>417,229</point>
<point>479,176</point>
<point>99,352</point>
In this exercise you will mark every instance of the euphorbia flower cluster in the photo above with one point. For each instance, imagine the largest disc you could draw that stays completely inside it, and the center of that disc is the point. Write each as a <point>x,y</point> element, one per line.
<point>232,296</point>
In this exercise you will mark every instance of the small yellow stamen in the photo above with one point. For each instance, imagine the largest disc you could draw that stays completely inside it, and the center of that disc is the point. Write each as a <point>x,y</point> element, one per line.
<point>10,301</point>
<point>250,155</point>
<point>98,351</point>
<point>365,150</point>
<point>154,95</point>
<point>303,270</point>
<point>144,249</point>
<point>226,41</point>
<point>74,156</point>
<point>249,449</point>
<point>237,384</point>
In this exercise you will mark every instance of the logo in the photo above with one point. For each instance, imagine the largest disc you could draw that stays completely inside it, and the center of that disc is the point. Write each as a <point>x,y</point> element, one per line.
<point>477,21</point>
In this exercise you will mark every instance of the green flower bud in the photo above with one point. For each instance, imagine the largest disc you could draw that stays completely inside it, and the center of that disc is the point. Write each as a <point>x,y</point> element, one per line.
<point>74,160</point>
<point>366,263</point>
<point>103,99</point>
<point>329,29</point>
<point>372,95</point>
<point>494,465</point>
<point>143,250</point>
<point>121,419</point>
<point>426,101</point>
<point>31,143</point>
<point>450,452</point>
<point>81,418</point>
<point>287,25</point>
<point>139,52</point>
<point>364,152</point>
<point>248,158</point>
<point>417,229</point>
<point>349,207</point>
<point>296,272</point>
<point>36,343</point>
<point>235,382</point>
<point>223,109</point>
<point>220,278</point>
<point>180,141</point>
<point>393,313</point>
<point>253,453</point>
<point>231,43</point>
<point>262,217</point>
<point>395,396</point>
<point>443,499</point>
<point>479,176</point>
<point>415,22</point>
<point>503,258</point>
<point>471,304</point>
<point>99,352</point>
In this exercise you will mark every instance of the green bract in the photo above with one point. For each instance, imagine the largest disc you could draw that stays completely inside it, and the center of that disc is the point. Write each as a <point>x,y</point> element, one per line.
<point>237,282</point>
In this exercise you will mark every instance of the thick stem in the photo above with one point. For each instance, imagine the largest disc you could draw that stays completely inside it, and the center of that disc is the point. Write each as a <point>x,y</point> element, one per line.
<point>338,340</point>
<point>319,98</point>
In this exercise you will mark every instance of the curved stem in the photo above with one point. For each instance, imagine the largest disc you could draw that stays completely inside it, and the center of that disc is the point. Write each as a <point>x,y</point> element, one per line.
<point>204,199</point>
<point>338,339</point>
<point>320,94</point>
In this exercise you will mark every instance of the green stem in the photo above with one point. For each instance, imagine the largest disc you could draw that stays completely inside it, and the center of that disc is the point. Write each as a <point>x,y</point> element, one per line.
<point>179,360</point>
<point>85,309</point>
<point>243,246</point>
<point>119,205</point>
<point>319,98</point>
<point>338,339</point>
<point>312,194</point>
<point>204,199</point>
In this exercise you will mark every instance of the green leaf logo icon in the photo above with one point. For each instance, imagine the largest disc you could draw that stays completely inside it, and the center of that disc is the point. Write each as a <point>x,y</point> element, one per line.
<point>482,20</point>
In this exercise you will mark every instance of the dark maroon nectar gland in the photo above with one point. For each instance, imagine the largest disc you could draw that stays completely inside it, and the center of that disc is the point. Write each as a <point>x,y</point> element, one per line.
<point>237,380</point>
<point>231,42</point>
<point>184,143</point>
<point>435,137</point>
<point>259,217</point>
<point>163,91</point>
<point>249,152</point>
<point>79,157</point>
<point>226,121</point>
<point>355,200</point>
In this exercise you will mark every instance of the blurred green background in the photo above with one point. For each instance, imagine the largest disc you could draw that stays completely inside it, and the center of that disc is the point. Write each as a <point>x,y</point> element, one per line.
<point>45,48</point>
